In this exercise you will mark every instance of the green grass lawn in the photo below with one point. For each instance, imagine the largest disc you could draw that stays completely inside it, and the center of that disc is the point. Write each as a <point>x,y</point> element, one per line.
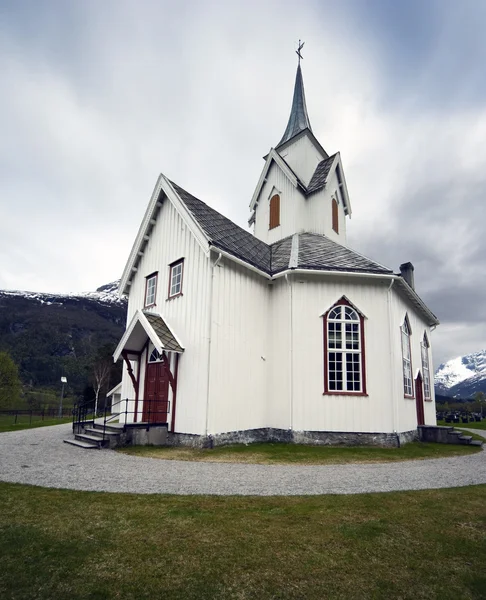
<point>280,453</point>
<point>7,422</point>
<point>474,425</point>
<point>59,544</point>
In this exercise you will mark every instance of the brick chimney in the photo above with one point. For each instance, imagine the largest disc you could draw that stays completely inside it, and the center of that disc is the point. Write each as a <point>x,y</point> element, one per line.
<point>406,271</point>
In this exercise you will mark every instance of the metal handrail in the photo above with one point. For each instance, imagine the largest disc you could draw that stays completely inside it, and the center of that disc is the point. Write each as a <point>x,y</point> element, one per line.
<point>109,418</point>
<point>84,412</point>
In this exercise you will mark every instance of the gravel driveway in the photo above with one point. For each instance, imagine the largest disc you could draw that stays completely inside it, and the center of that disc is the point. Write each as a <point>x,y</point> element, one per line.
<point>39,457</point>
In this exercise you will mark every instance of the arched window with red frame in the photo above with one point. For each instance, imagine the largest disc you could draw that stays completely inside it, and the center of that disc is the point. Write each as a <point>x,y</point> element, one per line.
<point>344,350</point>
<point>424,347</point>
<point>406,332</point>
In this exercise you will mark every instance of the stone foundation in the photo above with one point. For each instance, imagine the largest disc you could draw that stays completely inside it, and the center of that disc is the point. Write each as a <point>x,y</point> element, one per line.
<point>270,434</point>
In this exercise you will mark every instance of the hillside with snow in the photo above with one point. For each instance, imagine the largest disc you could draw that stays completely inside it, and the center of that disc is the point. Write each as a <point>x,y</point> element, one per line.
<point>463,376</point>
<point>54,335</point>
<point>106,294</point>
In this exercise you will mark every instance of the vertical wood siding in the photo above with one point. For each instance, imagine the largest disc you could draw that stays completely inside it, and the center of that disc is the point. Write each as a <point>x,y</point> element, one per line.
<point>239,350</point>
<point>406,407</point>
<point>297,213</point>
<point>303,158</point>
<point>186,314</point>
<point>311,298</point>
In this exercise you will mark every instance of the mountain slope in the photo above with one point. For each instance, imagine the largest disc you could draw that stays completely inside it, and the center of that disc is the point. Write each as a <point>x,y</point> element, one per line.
<point>463,376</point>
<point>54,335</point>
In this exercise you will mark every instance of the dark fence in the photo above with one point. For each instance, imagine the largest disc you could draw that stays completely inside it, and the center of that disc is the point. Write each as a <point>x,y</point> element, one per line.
<point>18,416</point>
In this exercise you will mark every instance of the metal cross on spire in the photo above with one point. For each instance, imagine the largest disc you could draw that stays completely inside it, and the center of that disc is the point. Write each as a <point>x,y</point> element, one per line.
<point>301,45</point>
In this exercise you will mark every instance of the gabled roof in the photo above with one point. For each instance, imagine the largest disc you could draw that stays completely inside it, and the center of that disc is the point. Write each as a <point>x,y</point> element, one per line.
<point>147,325</point>
<point>313,251</point>
<point>304,251</point>
<point>299,119</point>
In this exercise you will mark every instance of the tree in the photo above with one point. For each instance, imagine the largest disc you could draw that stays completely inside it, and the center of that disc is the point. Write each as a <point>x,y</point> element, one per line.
<point>10,385</point>
<point>479,397</point>
<point>101,371</point>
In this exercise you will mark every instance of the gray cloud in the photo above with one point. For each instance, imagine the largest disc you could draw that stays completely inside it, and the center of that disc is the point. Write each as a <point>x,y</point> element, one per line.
<point>97,98</point>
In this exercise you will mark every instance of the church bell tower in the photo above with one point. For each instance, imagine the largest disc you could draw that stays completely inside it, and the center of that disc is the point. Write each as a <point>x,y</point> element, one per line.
<point>302,188</point>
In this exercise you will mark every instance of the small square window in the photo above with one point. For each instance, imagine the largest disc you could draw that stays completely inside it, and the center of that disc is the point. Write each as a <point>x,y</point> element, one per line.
<point>150,290</point>
<point>175,279</point>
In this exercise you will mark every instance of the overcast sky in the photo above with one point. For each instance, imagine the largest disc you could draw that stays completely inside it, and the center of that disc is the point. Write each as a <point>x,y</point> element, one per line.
<point>98,97</point>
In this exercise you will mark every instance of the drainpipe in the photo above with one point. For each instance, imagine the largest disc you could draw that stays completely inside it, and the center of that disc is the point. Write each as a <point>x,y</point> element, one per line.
<point>392,362</point>
<point>210,325</point>
<point>291,354</point>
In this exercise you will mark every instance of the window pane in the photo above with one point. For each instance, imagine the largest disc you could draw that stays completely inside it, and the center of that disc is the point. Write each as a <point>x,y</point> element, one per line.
<point>350,314</point>
<point>176,279</point>
<point>150,293</point>
<point>335,313</point>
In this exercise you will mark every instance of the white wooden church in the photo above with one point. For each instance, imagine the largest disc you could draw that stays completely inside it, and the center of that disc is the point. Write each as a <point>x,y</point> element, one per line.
<point>285,333</point>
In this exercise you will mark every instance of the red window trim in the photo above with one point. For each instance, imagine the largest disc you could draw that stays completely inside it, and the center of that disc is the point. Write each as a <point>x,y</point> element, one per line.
<point>156,275</point>
<point>407,396</point>
<point>327,391</point>
<point>171,266</point>
<point>426,346</point>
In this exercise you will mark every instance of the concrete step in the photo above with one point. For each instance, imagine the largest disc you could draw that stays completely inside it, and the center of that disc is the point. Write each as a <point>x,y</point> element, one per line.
<point>465,439</point>
<point>80,444</point>
<point>112,427</point>
<point>94,431</point>
<point>90,439</point>
<point>476,443</point>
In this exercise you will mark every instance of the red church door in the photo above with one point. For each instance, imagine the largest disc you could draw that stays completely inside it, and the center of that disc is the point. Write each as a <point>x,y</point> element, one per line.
<point>156,404</point>
<point>419,399</point>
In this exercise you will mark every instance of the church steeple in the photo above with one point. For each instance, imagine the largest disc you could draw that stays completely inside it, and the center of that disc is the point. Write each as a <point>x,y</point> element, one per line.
<point>299,119</point>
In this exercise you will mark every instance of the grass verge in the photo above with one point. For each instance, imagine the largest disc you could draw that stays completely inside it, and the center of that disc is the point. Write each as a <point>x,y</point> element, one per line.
<point>58,544</point>
<point>280,453</point>
<point>23,422</point>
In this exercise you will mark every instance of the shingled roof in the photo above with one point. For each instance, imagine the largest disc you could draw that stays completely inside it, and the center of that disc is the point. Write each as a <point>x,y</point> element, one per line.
<point>225,234</point>
<point>311,250</point>
<point>319,178</point>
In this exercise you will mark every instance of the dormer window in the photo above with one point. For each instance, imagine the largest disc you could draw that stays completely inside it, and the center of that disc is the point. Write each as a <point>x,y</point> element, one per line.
<point>150,290</point>
<point>274,211</point>
<point>335,215</point>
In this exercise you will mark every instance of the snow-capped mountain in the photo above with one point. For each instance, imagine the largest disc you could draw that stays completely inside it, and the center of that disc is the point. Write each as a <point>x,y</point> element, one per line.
<point>106,294</point>
<point>463,376</point>
<point>49,335</point>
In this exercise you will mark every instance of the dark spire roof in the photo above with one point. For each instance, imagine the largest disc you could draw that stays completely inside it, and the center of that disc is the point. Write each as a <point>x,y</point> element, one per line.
<point>299,119</point>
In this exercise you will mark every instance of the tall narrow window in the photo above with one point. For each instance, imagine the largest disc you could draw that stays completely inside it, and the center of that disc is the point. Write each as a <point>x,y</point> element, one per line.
<point>175,278</point>
<point>344,357</point>
<point>150,290</point>
<point>406,359</point>
<point>425,367</point>
<point>335,216</point>
<point>274,211</point>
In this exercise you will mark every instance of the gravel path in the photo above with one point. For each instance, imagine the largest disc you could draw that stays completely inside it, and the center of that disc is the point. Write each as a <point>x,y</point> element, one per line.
<point>39,457</point>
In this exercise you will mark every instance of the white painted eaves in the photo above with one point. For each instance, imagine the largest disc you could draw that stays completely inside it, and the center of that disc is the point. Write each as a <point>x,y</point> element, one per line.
<point>273,156</point>
<point>337,161</point>
<point>164,186</point>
